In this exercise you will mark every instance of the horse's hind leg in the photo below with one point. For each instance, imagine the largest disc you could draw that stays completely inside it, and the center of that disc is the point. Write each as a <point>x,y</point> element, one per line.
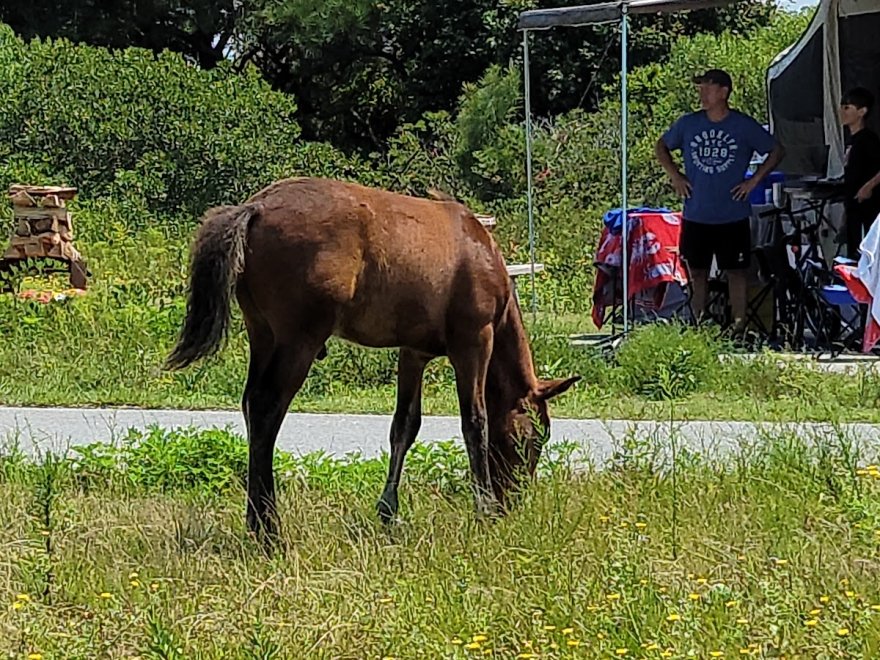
<point>405,425</point>
<point>274,378</point>
<point>469,356</point>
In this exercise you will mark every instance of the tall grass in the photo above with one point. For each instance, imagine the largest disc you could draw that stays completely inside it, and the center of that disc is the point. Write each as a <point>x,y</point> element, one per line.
<point>774,555</point>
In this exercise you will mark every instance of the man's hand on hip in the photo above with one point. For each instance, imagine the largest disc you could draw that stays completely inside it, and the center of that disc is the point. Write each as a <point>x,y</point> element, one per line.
<point>744,189</point>
<point>681,184</point>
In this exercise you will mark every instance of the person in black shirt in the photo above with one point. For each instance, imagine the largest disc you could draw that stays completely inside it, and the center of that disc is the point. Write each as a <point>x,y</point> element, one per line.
<point>861,177</point>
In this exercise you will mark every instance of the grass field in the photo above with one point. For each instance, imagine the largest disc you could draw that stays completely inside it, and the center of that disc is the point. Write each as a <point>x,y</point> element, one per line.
<point>140,552</point>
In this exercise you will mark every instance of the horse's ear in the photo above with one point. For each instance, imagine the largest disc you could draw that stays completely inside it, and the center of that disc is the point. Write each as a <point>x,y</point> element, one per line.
<point>547,389</point>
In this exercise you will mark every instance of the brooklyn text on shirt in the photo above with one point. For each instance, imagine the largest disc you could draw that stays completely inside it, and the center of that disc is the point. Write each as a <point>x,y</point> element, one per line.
<point>713,150</point>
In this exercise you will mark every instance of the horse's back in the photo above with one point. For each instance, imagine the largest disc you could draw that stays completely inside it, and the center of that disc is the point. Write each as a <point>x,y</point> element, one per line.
<point>392,267</point>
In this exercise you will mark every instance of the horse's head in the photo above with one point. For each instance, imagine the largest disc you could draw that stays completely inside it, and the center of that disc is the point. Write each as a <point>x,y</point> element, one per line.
<point>518,436</point>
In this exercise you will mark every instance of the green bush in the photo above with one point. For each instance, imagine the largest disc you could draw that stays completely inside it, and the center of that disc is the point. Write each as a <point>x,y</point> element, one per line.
<point>155,134</point>
<point>661,361</point>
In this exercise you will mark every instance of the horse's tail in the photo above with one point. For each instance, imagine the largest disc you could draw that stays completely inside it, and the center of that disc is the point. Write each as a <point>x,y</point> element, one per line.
<point>216,262</point>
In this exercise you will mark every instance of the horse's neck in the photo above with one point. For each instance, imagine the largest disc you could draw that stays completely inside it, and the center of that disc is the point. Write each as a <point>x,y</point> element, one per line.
<point>511,372</point>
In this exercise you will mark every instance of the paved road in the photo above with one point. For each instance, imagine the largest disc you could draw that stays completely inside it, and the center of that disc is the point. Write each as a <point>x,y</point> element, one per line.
<point>57,428</point>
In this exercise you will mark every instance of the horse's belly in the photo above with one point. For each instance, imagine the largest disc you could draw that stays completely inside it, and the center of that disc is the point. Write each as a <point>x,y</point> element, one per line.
<point>386,322</point>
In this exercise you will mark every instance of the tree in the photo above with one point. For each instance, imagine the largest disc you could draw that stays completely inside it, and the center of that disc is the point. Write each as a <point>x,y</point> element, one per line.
<point>201,30</point>
<point>361,68</point>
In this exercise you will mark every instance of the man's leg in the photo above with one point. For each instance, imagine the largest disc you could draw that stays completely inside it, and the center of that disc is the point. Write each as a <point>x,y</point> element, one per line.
<point>700,292</point>
<point>738,281</point>
<point>697,251</point>
<point>734,257</point>
<point>853,228</point>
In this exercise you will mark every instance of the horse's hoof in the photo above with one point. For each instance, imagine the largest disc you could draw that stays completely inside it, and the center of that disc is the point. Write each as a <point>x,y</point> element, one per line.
<point>387,510</point>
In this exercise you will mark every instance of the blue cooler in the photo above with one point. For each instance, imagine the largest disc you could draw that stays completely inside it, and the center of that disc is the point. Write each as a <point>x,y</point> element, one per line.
<point>763,194</point>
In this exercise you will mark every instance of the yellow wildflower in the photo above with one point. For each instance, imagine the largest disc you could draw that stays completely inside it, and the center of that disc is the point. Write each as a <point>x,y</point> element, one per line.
<point>567,631</point>
<point>673,617</point>
<point>621,652</point>
<point>876,608</point>
<point>824,599</point>
<point>666,654</point>
<point>573,642</point>
<point>811,623</point>
<point>106,595</point>
<point>613,597</point>
<point>17,605</point>
<point>843,632</point>
<point>716,654</point>
<point>525,656</point>
<point>742,621</point>
<point>479,638</point>
<point>702,580</point>
<point>548,628</point>
<point>641,525</point>
<point>455,640</point>
<point>472,646</point>
<point>694,596</point>
<point>23,597</point>
<point>652,647</point>
<point>35,656</point>
<point>385,601</point>
<point>731,603</point>
<point>135,583</point>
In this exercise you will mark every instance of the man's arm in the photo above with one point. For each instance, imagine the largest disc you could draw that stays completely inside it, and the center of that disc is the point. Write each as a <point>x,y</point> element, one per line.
<point>679,181</point>
<point>744,189</point>
<point>775,157</point>
<point>867,190</point>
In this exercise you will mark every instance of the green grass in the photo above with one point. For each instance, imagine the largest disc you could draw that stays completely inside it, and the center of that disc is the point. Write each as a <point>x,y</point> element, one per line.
<point>139,551</point>
<point>106,349</point>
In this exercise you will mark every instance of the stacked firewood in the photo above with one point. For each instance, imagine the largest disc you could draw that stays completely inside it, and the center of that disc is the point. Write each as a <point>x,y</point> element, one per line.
<point>43,229</point>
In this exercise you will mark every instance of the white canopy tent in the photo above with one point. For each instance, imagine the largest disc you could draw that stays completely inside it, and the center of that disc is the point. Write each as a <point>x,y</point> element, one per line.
<point>840,49</point>
<point>606,12</point>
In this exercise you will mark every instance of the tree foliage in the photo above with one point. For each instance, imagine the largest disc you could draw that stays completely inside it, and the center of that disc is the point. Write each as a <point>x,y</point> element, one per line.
<point>159,132</point>
<point>358,69</point>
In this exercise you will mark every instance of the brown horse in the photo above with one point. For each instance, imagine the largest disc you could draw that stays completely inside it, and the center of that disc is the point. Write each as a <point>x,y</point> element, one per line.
<point>313,258</point>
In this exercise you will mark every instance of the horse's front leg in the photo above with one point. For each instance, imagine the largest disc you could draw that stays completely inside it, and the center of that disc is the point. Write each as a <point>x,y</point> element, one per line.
<point>470,360</point>
<point>405,425</point>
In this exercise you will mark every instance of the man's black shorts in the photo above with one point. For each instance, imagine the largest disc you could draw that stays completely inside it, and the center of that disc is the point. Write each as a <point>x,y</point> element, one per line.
<point>730,243</point>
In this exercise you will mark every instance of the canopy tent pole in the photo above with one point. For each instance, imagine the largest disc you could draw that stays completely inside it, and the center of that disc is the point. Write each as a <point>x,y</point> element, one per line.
<point>593,14</point>
<point>624,115</point>
<point>529,169</point>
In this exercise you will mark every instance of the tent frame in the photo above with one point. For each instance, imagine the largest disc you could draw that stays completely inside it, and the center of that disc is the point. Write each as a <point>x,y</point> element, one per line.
<point>578,16</point>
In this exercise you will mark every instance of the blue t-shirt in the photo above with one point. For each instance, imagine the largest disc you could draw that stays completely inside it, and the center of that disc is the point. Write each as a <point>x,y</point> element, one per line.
<point>716,157</point>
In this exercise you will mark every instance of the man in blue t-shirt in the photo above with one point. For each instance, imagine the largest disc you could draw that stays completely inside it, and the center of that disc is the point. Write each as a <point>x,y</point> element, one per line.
<point>717,144</point>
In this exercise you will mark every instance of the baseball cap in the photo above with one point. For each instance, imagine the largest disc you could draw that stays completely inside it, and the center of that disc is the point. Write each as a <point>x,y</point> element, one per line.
<point>717,76</point>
